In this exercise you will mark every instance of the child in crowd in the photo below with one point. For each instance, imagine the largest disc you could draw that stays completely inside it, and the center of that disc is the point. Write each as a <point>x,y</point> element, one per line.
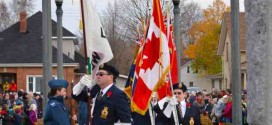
<point>33,117</point>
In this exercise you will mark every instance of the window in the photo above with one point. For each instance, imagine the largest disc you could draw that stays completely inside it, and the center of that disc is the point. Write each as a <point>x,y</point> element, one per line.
<point>34,83</point>
<point>213,84</point>
<point>188,69</point>
<point>30,84</point>
<point>191,84</point>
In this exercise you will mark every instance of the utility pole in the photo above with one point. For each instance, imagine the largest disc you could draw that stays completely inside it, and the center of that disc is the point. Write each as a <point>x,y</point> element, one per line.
<point>59,13</point>
<point>177,35</point>
<point>47,48</point>
<point>235,64</point>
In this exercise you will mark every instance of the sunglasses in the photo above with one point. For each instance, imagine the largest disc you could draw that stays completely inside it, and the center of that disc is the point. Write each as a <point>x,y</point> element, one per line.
<point>177,93</point>
<point>101,74</point>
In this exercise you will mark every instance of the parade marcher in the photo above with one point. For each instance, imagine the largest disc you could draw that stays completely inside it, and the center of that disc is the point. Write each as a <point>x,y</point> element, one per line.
<point>110,104</point>
<point>55,110</point>
<point>187,113</point>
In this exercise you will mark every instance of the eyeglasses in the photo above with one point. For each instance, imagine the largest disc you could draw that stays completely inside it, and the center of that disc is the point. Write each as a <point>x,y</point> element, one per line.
<point>101,74</point>
<point>177,93</point>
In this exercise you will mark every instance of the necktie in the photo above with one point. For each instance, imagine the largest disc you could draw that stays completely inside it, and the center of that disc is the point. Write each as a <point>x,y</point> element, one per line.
<point>180,110</point>
<point>99,97</point>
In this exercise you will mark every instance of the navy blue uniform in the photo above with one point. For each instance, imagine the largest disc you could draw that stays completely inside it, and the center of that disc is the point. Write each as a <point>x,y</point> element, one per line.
<point>113,106</point>
<point>56,112</point>
<point>191,112</point>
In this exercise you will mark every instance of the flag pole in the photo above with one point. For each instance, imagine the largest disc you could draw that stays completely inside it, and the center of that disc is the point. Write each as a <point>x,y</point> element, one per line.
<point>175,108</point>
<point>87,61</point>
<point>169,73</point>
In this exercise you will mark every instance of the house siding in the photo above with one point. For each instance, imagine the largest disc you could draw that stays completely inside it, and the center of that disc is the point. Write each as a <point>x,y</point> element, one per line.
<point>197,79</point>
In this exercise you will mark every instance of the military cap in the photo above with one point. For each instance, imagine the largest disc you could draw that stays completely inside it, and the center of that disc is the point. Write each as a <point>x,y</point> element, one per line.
<point>58,83</point>
<point>180,86</point>
<point>109,69</point>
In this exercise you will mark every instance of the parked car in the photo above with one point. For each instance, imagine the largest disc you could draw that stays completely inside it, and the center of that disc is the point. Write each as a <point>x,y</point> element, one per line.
<point>196,89</point>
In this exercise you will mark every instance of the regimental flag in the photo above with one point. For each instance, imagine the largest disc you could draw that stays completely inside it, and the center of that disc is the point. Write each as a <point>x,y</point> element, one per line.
<point>165,89</point>
<point>155,61</point>
<point>132,78</point>
<point>97,45</point>
<point>134,70</point>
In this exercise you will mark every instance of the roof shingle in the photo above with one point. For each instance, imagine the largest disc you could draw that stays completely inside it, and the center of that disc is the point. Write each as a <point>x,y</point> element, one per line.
<point>26,47</point>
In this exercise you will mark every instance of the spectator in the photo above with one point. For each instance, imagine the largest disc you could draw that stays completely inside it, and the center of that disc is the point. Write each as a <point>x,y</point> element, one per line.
<point>199,102</point>
<point>33,118</point>
<point>220,106</point>
<point>213,116</point>
<point>18,118</point>
<point>227,113</point>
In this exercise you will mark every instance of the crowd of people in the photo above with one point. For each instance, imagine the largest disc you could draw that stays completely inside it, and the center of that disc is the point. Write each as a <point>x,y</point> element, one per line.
<point>217,105</point>
<point>110,105</point>
<point>20,108</point>
<point>213,108</point>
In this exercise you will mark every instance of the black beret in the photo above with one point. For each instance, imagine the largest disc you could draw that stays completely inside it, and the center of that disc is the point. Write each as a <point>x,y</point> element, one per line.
<point>58,83</point>
<point>180,86</point>
<point>109,69</point>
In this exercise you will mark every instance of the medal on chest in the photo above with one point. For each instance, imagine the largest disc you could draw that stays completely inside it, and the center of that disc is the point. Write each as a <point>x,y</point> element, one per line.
<point>192,122</point>
<point>104,112</point>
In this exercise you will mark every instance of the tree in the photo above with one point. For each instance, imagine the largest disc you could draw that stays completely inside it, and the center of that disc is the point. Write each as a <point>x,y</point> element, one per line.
<point>190,14</point>
<point>18,6</point>
<point>13,10</point>
<point>205,35</point>
<point>4,16</point>
<point>123,21</point>
<point>118,37</point>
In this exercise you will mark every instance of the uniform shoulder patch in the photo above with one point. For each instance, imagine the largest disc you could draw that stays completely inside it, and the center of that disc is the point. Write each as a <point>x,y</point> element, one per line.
<point>53,104</point>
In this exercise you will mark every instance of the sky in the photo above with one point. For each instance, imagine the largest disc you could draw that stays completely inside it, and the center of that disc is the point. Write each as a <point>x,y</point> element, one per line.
<point>71,10</point>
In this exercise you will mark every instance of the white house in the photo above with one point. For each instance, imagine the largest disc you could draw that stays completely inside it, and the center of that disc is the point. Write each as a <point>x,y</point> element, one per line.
<point>192,78</point>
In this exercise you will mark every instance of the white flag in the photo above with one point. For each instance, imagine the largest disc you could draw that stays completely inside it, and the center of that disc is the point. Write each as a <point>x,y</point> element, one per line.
<point>97,45</point>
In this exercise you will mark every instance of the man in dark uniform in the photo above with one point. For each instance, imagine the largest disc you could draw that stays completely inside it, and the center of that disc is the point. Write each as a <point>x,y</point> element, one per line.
<point>187,114</point>
<point>55,110</point>
<point>111,104</point>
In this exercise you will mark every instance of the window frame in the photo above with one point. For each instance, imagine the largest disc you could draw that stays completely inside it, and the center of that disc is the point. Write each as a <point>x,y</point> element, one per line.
<point>34,81</point>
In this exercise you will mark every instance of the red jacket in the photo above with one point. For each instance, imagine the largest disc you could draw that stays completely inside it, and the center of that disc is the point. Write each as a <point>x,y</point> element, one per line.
<point>228,110</point>
<point>13,87</point>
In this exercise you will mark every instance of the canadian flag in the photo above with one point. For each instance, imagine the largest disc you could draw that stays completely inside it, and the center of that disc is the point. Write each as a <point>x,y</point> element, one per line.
<point>155,61</point>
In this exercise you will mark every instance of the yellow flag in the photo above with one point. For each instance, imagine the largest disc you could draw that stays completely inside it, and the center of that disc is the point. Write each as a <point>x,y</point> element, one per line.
<point>80,25</point>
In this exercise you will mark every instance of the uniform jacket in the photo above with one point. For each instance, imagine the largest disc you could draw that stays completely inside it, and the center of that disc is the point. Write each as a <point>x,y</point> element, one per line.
<point>191,112</point>
<point>112,107</point>
<point>56,112</point>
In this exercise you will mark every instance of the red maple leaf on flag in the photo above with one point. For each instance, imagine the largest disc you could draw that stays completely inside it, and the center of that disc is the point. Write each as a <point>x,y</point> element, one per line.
<point>152,52</point>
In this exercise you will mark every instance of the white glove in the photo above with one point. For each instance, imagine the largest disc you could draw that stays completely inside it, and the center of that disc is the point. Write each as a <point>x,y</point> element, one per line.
<point>162,101</point>
<point>77,89</point>
<point>84,81</point>
<point>170,107</point>
<point>173,101</point>
<point>87,81</point>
